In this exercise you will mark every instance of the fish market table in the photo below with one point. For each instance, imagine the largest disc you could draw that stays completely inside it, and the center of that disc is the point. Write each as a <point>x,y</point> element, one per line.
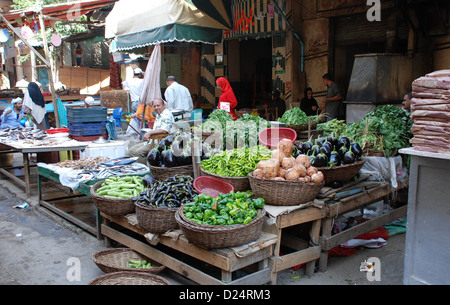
<point>174,251</point>
<point>26,149</point>
<point>82,190</point>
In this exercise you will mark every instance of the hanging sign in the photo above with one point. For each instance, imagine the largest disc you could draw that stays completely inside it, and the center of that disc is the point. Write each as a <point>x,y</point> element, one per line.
<point>56,40</point>
<point>4,35</point>
<point>26,32</point>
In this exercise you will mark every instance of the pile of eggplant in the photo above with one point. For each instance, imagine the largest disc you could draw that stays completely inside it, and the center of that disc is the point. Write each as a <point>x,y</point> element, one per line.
<point>170,193</point>
<point>330,151</point>
<point>175,150</point>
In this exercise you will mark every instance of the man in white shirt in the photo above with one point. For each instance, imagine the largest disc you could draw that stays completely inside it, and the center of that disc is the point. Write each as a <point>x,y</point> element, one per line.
<point>178,97</point>
<point>134,85</point>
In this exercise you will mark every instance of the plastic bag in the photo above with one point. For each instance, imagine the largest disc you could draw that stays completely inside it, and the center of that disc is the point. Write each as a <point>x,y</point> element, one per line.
<point>385,169</point>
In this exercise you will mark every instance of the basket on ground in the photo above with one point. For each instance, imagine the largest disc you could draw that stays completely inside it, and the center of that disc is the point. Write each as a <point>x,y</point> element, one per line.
<point>111,206</point>
<point>284,193</point>
<point>214,236</point>
<point>155,219</point>
<point>129,278</point>
<point>239,183</point>
<point>341,173</point>
<point>114,260</point>
<point>162,173</point>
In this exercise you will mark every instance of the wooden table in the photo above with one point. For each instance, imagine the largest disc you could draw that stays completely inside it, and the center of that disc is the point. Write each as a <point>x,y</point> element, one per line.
<point>26,149</point>
<point>306,251</point>
<point>227,260</point>
<point>367,192</point>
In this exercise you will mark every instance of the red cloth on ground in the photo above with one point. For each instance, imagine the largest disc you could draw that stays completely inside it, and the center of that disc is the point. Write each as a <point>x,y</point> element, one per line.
<point>380,232</point>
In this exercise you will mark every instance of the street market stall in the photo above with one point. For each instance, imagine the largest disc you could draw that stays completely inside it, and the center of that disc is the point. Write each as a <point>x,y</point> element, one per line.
<point>28,141</point>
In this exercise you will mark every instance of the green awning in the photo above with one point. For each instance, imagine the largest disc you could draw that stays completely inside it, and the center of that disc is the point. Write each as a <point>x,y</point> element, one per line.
<point>138,23</point>
<point>167,33</point>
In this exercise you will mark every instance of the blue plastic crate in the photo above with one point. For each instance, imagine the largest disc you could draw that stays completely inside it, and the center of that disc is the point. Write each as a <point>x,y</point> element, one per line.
<point>87,129</point>
<point>86,115</point>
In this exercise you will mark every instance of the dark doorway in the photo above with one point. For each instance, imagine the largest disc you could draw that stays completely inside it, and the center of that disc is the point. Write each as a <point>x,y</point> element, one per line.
<point>255,84</point>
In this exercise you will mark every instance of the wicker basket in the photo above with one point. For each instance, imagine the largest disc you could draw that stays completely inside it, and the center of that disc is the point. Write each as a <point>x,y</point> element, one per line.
<point>111,206</point>
<point>239,183</point>
<point>129,278</point>
<point>114,260</point>
<point>213,237</point>
<point>155,220</point>
<point>284,193</point>
<point>341,173</point>
<point>302,127</point>
<point>162,173</point>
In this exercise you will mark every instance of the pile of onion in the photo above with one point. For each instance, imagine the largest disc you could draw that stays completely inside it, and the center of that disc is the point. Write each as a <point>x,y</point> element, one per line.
<point>282,166</point>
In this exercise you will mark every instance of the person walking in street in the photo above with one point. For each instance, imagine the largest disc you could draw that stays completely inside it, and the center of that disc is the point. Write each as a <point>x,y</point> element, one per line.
<point>333,101</point>
<point>134,86</point>
<point>12,116</point>
<point>178,97</point>
<point>227,100</point>
<point>163,125</point>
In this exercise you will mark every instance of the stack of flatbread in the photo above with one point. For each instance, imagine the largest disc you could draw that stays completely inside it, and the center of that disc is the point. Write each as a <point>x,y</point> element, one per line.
<point>430,112</point>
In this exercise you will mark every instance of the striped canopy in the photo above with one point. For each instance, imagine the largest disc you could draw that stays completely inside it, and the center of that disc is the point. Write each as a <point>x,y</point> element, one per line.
<point>139,23</point>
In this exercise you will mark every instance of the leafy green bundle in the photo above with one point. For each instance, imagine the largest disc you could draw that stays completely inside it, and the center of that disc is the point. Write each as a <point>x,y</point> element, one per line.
<point>386,128</point>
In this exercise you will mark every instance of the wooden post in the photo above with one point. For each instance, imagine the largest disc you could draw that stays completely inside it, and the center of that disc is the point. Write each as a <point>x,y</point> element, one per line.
<point>49,68</point>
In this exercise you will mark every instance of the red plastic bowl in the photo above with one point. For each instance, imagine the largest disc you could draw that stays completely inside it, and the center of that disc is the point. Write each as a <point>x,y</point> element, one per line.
<point>212,186</point>
<point>270,137</point>
<point>57,130</point>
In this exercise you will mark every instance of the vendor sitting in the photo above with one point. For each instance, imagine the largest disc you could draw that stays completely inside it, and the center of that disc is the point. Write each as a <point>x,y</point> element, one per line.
<point>12,116</point>
<point>163,126</point>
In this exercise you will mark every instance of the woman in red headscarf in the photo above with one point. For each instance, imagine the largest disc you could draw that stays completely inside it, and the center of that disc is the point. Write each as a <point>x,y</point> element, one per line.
<point>227,99</point>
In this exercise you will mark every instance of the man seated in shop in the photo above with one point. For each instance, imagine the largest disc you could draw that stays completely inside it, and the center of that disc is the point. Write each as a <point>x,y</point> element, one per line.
<point>163,126</point>
<point>11,116</point>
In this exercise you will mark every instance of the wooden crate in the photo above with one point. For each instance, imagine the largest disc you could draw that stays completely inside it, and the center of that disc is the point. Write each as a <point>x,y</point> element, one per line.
<point>115,99</point>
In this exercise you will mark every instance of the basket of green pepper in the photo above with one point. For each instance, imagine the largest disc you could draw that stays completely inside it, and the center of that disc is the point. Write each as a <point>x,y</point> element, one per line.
<point>233,166</point>
<point>125,259</point>
<point>228,220</point>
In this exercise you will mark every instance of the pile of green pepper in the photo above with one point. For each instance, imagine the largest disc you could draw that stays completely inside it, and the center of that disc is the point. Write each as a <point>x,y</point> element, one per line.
<point>226,209</point>
<point>238,162</point>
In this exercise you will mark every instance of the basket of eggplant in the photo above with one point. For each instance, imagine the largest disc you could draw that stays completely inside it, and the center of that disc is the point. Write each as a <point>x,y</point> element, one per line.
<point>156,205</point>
<point>173,156</point>
<point>337,158</point>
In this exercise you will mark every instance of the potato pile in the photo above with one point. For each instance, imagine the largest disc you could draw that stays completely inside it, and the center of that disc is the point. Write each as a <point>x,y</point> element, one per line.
<point>282,166</point>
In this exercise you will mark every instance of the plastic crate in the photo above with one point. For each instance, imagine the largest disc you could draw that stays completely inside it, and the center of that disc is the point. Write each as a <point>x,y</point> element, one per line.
<point>87,129</point>
<point>86,115</point>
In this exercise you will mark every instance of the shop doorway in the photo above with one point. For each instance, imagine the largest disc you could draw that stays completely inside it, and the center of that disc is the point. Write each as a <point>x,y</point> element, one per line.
<point>254,86</point>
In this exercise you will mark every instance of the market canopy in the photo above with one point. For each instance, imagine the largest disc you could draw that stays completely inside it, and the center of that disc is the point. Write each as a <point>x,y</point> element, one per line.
<point>220,10</point>
<point>139,23</point>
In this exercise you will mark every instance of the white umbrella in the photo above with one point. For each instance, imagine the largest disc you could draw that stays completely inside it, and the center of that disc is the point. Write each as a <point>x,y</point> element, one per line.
<point>151,86</point>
